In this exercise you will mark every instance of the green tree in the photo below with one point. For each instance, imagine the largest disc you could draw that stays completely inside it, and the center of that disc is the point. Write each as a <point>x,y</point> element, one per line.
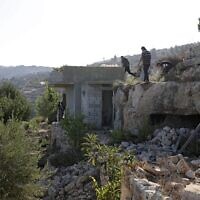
<point>18,163</point>
<point>12,103</point>
<point>46,105</point>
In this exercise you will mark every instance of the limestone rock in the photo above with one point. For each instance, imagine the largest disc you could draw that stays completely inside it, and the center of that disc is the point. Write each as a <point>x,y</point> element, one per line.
<point>182,166</point>
<point>156,170</point>
<point>192,191</point>
<point>196,163</point>
<point>174,189</point>
<point>143,189</point>
<point>175,98</point>
<point>190,174</point>
<point>197,172</point>
<point>174,159</point>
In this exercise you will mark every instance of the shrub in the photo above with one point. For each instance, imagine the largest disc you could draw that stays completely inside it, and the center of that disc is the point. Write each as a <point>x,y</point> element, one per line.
<point>13,104</point>
<point>109,191</point>
<point>145,130</point>
<point>111,161</point>
<point>117,136</point>
<point>18,168</point>
<point>47,105</point>
<point>75,128</point>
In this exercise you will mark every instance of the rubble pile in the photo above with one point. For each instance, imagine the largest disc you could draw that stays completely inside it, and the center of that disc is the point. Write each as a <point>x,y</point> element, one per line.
<point>164,142</point>
<point>161,172</point>
<point>72,182</point>
<point>169,178</point>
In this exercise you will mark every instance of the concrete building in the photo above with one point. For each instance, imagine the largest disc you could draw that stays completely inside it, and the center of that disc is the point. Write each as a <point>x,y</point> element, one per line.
<point>88,91</point>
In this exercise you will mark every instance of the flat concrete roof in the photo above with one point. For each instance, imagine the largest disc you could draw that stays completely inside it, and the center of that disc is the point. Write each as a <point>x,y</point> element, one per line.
<point>94,75</point>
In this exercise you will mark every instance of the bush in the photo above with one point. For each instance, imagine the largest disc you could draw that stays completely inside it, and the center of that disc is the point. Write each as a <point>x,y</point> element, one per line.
<point>76,129</point>
<point>145,130</point>
<point>47,105</point>
<point>18,168</point>
<point>13,104</point>
<point>111,161</point>
<point>117,136</point>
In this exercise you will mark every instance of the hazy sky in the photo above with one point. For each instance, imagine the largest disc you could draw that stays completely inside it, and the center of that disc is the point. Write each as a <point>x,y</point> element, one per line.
<point>79,32</point>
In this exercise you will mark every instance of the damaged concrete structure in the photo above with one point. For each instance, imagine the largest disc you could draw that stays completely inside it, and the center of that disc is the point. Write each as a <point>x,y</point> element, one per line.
<point>88,91</point>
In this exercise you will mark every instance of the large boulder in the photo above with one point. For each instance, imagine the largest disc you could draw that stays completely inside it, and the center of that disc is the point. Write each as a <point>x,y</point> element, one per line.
<point>161,98</point>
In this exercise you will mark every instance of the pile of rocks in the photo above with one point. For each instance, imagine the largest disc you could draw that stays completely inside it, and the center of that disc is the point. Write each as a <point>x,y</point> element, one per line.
<point>72,182</point>
<point>159,174</point>
<point>169,178</point>
<point>164,142</point>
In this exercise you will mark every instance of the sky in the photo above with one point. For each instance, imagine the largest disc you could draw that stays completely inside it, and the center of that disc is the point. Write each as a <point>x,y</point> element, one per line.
<point>79,32</point>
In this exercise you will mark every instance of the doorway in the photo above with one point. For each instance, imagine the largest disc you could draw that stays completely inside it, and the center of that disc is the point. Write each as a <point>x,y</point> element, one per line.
<point>107,108</point>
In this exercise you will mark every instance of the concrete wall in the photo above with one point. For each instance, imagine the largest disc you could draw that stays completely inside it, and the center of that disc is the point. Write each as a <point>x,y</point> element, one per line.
<point>91,104</point>
<point>82,74</point>
<point>70,106</point>
<point>84,99</point>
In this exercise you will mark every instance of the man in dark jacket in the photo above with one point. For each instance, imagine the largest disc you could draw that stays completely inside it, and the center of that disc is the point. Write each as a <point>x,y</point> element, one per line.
<point>146,60</point>
<point>126,65</point>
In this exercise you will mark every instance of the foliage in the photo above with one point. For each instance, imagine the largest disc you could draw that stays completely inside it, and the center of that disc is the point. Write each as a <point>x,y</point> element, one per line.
<point>109,191</point>
<point>132,80</point>
<point>75,128</point>
<point>12,103</point>
<point>46,105</point>
<point>145,130</point>
<point>18,168</point>
<point>110,160</point>
<point>117,136</point>
<point>34,123</point>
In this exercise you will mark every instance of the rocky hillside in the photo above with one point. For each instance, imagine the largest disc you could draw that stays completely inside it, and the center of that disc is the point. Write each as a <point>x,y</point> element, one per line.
<point>183,51</point>
<point>31,85</point>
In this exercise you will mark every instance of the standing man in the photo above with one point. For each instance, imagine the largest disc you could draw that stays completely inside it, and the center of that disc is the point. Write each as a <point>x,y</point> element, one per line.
<point>126,65</point>
<point>146,60</point>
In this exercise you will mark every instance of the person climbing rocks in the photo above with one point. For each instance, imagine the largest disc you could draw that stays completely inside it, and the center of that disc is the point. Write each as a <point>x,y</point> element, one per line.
<point>146,61</point>
<point>126,65</point>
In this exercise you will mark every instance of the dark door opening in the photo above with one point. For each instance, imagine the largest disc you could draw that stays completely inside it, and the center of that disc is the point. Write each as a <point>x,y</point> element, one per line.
<point>107,108</point>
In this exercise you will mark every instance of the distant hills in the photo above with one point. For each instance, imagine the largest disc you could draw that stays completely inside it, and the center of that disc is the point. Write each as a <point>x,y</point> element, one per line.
<point>181,51</point>
<point>21,71</point>
<point>28,79</point>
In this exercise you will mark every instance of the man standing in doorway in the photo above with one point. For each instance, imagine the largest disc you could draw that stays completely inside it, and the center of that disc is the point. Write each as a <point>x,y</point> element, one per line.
<point>126,65</point>
<point>146,60</point>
